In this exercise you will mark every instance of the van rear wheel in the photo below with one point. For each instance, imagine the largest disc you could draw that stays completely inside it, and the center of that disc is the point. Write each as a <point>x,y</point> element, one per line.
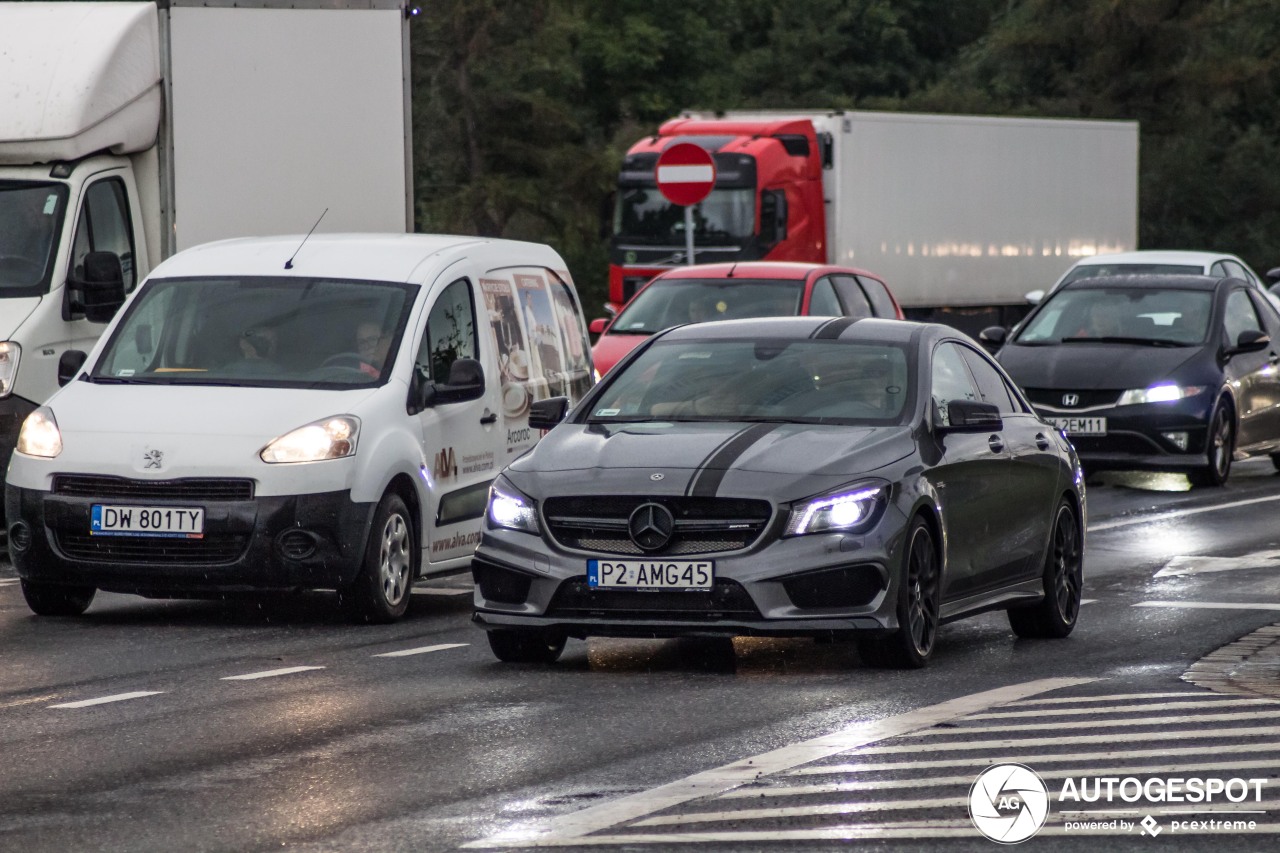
<point>381,591</point>
<point>50,599</point>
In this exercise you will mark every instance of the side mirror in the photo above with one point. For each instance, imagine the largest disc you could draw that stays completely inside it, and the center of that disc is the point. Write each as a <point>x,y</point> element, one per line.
<point>546,414</point>
<point>611,309</point>
<point>103,286</point>
<point>1250,340</point>
<point>598,325</point>
<point>69,364</point>
<point>972,416</point>
<point>993,337</point>
<point>1273,275</point>
<point>773,217</point>
<point>1034,297</point>
<point>466,382</point>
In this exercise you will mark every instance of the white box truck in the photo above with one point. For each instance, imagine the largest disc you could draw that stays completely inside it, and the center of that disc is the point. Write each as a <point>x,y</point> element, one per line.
<point>959,214</point>
<point>131,130</point>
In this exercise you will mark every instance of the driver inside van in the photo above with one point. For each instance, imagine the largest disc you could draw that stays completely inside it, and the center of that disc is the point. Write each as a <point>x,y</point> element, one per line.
<point>372,345</point>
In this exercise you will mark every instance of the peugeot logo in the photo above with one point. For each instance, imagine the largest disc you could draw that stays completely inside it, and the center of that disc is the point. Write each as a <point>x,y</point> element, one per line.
<point>1070,399</point>
<point>153,459</point>
<point>651,526</point>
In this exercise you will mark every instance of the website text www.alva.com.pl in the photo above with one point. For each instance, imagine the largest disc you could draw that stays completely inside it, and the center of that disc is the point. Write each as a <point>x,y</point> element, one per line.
<point>457,540</point>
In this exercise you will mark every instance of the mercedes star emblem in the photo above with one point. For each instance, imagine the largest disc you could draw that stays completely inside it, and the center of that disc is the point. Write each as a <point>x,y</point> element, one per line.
<point>651,526</point>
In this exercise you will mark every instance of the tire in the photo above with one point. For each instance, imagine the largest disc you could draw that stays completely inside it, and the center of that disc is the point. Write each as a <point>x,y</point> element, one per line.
<point>515,646</point>
<point>47,599</point>
<point>1275,460</point>
<point>910,646</point>
<point>1055,616</point>
<point>1220,444</point>
<point>381,590</point>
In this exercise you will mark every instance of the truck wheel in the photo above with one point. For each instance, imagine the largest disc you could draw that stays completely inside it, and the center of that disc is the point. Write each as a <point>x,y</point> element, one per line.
<point>919,591</point>
<point>380,592</point>
<point>49,599</point>
<point>514,646</point>
<point>1220,444</point>
<point>1055,616</point>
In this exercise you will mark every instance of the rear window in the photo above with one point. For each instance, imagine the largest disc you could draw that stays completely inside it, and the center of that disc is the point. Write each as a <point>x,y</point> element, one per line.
<point>674,302</point>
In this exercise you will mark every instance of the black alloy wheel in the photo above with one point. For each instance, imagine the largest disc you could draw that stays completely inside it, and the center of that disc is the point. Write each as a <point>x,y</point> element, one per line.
<point>910,646</point>
<point>49,599</point>
<point>1220,444</point>
<point>526,646</point>
<point>1055,616</point>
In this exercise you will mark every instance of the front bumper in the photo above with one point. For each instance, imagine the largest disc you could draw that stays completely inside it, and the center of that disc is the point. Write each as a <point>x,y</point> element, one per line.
<point>13,411</point>
<point>260,543</point>
<point>1136,439</point>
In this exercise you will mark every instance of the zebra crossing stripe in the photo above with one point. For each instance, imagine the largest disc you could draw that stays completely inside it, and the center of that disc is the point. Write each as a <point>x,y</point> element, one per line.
<point>1268,714</point>
<point>1072,740</point>
<point>1124,709</point>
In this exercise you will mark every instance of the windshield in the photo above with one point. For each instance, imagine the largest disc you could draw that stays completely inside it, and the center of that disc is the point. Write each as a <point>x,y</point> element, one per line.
<point>805,381</point>
<point>1096,270</point>
<point>725,217</point>
<point>672,302</point>
<point>1121,313</point>
<point>30,219</point>
<point>260,332</point>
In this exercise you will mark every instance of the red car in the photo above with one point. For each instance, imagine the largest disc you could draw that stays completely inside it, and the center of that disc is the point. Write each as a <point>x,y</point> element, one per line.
<point>730,291</point>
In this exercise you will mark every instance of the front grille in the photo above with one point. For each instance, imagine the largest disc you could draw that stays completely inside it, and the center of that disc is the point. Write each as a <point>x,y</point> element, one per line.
<point>211,550</point>
<point>186,489</point>
<point>598,523</point>
<point>1053,397</point>
<point>726,600</point>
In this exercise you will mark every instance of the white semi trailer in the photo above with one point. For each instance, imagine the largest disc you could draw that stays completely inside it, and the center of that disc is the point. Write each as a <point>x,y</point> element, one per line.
<point>131,130</point>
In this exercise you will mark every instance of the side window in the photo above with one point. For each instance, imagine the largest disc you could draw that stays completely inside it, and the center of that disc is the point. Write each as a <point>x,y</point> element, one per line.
<point>450,333</point>
<point>855,302</point>
<point>949,380</point>
<point>878,293</point>
<point>991,384</point>
<point>823,301</point>
<point>104,227</point>
<point>1240,316</point>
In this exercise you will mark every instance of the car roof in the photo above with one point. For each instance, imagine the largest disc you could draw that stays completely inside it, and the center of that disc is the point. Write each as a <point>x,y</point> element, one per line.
<point>872,329</point>
<point>1154,281</point>
<point>1157,256</point>
<point>786,270</point>
<point>371,257</point>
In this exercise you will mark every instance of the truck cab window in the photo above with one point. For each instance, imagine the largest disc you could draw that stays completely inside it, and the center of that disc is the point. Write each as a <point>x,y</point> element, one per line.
<point>450,333</point>
<point>104,227</point>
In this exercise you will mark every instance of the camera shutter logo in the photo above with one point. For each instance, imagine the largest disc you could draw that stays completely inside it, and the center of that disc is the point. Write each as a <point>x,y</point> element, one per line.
<point>1008,803</point>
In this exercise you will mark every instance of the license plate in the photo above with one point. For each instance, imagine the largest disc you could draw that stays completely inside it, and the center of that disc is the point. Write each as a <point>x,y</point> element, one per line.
<point>1081,426</point>
<point>179,522</point>
<point>650,574</point>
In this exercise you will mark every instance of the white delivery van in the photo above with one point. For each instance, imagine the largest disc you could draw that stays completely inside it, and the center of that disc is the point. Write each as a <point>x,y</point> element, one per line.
<point>280,413</point>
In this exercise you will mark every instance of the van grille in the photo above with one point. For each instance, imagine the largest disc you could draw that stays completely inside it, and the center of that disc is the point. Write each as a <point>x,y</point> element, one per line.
<point>211,550</point>
<point>187,488</point>
<point>598,523</point>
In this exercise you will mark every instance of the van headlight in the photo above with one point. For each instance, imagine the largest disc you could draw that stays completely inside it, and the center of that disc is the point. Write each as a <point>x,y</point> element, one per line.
<point>851,510</point>
<point>39,435</point>
<point>1159,394</point>
<point>510,508</point>
<point>9,352</point>
<point>329,438</point>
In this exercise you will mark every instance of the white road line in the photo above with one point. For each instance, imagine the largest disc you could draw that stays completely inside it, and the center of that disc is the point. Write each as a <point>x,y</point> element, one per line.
<point>9,581</point>
<point>422,650</point>
<point>1088,601</point>
<point>1212,605</point>
<point>1043,758</point>
<point>1200,564</point>
<point>966,779</point>
<point>1074,740</point>
<point>1115,697</point>
<point>721,779</point>
<point>440,590</point>
<point>1122,709</point>
<point>1181,513</point>
<point>1268,714</point>
<point>270,673</point>
<point>103,700</point>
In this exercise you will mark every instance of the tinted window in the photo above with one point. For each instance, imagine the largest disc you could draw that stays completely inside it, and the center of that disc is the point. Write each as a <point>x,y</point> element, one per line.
<point>878,293</point>
<point>1091,313</point>
<point>1240,316</point>
<point>855,302</point>
<point>949,380</point>
<point>674,302</point>
<point>823,302</point>
<point>991,384</point>
<point>450,333</point>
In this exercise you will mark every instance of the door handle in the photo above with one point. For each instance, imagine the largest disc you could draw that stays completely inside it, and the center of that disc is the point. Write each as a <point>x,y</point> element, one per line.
<point>491,418</point>
<point>996,443</point>
<point>1041,441</point>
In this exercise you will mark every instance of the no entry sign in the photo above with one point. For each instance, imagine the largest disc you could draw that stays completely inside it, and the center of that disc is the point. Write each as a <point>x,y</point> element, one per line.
<point>686,173</point>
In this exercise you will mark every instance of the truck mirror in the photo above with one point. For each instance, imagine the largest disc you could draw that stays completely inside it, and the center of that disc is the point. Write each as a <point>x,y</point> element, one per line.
<point>827,147</point>
<point>69,364</point>
<point>773,217</point>
<point>102,287</point>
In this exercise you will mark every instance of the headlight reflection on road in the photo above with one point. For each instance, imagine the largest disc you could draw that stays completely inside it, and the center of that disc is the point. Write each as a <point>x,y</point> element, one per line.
<point>1150,481</point>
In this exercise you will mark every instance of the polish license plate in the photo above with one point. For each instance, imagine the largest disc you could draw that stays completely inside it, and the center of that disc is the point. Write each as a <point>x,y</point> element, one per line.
<point>1081,426</point>
<point>650,574</point>
<point>178,522</point>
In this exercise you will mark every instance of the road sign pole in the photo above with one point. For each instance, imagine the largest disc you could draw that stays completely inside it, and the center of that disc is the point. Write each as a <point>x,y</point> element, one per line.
<point>685,175</point>
<point>688,234</point>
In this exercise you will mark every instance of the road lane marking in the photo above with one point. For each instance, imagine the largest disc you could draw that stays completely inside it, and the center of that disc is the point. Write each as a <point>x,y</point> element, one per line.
<point>440,590</point>
<point>579,824</point>
<point>1074,740</point>
<point>1192,564</point>
<point>103,700</point>
<point>270,673</point>
<point>421,650</point>
<point>9,581</point>
<point>1112,697</point>
<point>1268,714</point>
<point>1121,709</point>
<point>1213,605</point>
<point>1180,513</point>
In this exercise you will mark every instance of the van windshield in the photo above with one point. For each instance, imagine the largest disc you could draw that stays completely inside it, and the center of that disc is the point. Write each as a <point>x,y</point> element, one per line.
<point>258,332</point>
<point>30,218</point>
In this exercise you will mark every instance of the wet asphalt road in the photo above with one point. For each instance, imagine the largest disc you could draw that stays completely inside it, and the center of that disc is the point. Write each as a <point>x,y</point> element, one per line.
<point>438,748</point>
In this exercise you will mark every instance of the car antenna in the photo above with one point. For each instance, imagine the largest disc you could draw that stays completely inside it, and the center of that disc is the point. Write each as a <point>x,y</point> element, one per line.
<point>289,263</point>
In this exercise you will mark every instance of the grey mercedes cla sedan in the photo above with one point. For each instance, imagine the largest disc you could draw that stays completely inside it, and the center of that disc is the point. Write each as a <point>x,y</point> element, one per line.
<point>831,478</point>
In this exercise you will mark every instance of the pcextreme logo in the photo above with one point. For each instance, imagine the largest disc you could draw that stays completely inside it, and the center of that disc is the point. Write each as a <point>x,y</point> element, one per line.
<point>1008,803</point>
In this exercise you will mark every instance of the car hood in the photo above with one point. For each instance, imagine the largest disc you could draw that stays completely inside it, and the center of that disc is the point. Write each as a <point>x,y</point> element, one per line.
<point>778,460</point>
<point>610,349</point>
<point>14,310</point>
<point>1086,367</point>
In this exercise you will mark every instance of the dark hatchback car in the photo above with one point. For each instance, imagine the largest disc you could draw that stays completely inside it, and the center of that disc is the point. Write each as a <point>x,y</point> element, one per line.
<point>1156,372</point>
<point>815,477</point>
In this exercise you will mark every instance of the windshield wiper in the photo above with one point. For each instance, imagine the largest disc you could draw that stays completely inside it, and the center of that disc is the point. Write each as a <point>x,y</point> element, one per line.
<point>121,380</point>
<point>1117,339</point>
<point>630,332</point>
